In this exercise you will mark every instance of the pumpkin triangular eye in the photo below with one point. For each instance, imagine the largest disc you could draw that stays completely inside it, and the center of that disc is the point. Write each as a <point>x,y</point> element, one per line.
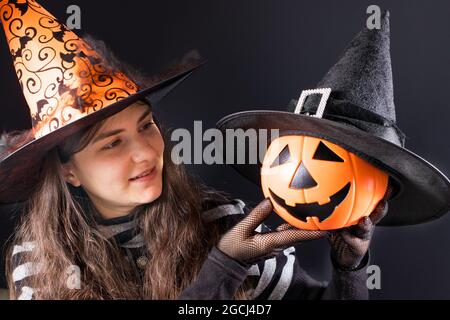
<point>325,153</point>
<point>283,157</point>
<point>302,179</point>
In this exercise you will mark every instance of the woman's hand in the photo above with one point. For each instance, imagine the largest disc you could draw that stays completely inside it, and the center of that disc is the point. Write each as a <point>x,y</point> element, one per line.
<point>243,244</point>
<point>350,245</point>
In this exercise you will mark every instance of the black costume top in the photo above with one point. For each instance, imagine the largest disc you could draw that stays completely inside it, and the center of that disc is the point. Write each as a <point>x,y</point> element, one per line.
<point>220,276</point>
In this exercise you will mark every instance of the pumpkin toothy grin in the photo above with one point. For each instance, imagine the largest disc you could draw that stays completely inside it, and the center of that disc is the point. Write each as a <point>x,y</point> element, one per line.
<point>303,210</point>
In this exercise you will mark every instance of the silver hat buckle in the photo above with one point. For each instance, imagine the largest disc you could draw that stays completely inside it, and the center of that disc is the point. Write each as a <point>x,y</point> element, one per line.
<point>325,92</point>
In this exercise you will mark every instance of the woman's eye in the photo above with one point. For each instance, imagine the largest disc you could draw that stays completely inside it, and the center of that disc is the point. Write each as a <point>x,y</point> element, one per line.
<point>111,145</point>
<point>147,125</point>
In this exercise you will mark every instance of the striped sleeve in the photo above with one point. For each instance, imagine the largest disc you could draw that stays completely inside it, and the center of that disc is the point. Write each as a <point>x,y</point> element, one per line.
<point>282,277</point>
<point>23,271</point>
<point>277,278</point>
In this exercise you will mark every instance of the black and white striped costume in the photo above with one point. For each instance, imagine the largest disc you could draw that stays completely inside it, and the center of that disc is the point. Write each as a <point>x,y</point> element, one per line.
<point>276,278</point>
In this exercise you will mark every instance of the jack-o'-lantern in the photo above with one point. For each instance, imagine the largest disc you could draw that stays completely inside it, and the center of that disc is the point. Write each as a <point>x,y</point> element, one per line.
<point>317,185</point>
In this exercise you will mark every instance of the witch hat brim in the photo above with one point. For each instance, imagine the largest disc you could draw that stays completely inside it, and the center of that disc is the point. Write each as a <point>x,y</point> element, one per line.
<point>423,192</point>
<point>19,171</point>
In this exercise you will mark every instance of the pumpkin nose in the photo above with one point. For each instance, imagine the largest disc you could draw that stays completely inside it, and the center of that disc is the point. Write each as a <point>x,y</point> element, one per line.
<point>302,179</point>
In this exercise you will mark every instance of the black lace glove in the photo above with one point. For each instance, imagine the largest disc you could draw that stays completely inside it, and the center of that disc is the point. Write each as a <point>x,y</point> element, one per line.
<point>350,245</point>
<point>245,245</point>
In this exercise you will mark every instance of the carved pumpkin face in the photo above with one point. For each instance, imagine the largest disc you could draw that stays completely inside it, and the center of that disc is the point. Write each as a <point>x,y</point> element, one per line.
<point>316,185</point>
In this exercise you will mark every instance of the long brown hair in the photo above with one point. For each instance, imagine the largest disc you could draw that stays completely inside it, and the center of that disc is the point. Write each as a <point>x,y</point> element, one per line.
<point>62,226</point>
<point>65,233</point>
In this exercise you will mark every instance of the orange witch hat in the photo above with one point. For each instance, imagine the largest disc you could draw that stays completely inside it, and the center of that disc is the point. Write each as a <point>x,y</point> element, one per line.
<point>67,86</point>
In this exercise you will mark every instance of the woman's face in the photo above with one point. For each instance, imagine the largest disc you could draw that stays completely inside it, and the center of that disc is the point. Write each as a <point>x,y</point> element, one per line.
<point>128,145</point>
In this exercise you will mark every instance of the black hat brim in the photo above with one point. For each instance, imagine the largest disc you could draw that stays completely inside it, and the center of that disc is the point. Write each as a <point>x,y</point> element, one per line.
<point>423,194</point>
<point>19,171</point>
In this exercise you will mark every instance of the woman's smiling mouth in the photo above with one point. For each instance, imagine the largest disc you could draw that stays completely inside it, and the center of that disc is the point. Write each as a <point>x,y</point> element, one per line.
<point>146,176</point>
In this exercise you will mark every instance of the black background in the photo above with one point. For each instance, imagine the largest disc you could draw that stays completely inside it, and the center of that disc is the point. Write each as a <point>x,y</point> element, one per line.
<point>261,55</point>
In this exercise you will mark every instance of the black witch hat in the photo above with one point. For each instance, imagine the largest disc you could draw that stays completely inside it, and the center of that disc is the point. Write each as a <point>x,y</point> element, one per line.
<point>353,107</point>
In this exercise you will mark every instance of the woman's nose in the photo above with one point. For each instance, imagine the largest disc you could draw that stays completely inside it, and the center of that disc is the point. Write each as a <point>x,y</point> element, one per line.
<point>142,149</point>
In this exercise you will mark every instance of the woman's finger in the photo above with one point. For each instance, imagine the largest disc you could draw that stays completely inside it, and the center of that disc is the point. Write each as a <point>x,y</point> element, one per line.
<point>388,193</point>
<point>381,209</point>
<point>257,216</point>
<point>348,238</point>
<point>363,229</point>
<point>286,238</point>
<point>284,226</point>
<point>379,212</point>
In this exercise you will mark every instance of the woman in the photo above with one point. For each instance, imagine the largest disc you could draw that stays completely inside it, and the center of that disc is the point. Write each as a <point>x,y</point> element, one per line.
<point>104,212</point>
<point>108,215</point>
